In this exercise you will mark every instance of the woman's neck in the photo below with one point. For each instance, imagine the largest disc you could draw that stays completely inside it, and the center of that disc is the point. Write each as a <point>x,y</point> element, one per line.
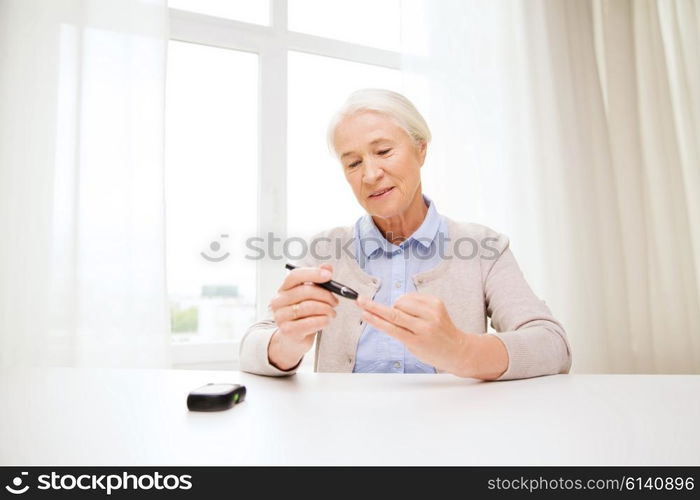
<point>398,228</point>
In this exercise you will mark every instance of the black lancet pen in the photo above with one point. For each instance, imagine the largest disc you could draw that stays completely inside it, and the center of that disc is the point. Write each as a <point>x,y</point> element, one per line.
<point>333,286</point>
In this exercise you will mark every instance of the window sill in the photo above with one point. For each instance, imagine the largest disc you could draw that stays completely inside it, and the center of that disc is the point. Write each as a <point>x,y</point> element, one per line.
<point>205,354</point>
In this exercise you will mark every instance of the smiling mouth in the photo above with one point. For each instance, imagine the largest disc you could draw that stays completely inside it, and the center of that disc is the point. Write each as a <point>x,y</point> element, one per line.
<point>382,193</point>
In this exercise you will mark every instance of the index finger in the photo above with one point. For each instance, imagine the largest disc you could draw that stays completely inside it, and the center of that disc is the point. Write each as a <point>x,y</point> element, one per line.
<point>304,275</point>
<point>392,315</point>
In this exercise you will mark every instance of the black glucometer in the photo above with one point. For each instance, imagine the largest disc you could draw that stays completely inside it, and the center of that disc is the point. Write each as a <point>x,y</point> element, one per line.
<point>215,397</point>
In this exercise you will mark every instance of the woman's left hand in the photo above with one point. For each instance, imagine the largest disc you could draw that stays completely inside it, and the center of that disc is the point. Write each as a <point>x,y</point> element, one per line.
<point>424,326</point>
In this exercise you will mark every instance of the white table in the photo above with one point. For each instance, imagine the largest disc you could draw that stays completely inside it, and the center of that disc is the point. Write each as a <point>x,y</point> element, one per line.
<point>139,417</point>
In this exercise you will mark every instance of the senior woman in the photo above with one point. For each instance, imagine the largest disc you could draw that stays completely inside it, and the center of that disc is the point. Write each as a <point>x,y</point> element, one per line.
<point>427,283</point>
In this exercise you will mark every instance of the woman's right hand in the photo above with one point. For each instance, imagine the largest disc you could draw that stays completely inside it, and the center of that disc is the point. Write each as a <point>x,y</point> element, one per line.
<point>300,309</point>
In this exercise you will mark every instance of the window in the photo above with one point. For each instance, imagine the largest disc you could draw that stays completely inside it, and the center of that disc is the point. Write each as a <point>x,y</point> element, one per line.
<point>211,175</point>
<point>255,11</point>
<point>364,22</point>
<point>246,118</point>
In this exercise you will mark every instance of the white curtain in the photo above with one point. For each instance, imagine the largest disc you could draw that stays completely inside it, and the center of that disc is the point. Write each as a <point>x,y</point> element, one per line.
<point>573,126</point>
<point>82,270</point>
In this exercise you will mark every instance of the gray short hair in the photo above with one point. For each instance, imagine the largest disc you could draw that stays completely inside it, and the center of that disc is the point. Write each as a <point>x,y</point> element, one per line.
<point>391,104</point>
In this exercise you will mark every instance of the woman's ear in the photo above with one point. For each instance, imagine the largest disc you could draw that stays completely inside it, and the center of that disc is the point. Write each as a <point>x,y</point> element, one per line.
<point>422,148</point>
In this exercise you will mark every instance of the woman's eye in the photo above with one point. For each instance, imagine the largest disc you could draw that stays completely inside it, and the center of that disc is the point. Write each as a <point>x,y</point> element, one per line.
<point>384,151</point>
<point>354,164</point>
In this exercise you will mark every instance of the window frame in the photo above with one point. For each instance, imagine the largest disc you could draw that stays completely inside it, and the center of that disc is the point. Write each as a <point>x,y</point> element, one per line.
<point>271,44</point>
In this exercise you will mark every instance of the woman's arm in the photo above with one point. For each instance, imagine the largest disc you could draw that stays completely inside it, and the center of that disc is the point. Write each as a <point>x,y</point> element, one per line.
<point>535,341</point>
<point>529,341</point>
<point>253,350</point>
<point>422,323</point>
<point>277,344</point>
<point>486,359</point>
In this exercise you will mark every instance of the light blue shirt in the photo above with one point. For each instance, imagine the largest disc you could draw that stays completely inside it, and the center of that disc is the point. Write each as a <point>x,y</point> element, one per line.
<point>395,266</point>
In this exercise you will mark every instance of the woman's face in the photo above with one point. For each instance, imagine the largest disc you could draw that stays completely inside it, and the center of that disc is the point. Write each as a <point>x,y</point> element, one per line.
<point>376,155</point>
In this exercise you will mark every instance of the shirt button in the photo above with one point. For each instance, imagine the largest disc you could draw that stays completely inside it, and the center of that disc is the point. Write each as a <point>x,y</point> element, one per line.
<point>397,365</point>
<point>398,284</point>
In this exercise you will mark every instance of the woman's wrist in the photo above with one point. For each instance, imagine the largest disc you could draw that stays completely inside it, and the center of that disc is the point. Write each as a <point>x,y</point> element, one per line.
<point>482,356</point>
<point>281,354</point>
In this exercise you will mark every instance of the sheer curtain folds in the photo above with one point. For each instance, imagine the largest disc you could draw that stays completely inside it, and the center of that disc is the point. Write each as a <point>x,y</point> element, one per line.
<point>573,127</point>
<point>81,183</point>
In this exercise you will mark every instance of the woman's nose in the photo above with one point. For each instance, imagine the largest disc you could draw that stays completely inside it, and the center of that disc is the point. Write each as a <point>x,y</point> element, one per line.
<point>373,172</point>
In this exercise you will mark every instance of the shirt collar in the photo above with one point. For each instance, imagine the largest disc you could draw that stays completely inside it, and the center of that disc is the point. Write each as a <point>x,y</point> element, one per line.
<point>371,239</point>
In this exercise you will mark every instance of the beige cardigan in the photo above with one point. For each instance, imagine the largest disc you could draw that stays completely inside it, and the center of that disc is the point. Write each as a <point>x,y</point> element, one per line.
<point>489,284</point>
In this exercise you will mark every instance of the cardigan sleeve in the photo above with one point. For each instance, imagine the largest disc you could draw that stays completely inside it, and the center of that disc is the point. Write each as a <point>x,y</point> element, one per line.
<point>535,341</point>
<point>253,348</point>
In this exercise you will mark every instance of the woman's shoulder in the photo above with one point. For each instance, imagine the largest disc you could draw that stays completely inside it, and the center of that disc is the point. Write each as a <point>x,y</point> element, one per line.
<point>326,246</point>
<point>334,233</point>
<point>460,229</point>
<point>474,239</point>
